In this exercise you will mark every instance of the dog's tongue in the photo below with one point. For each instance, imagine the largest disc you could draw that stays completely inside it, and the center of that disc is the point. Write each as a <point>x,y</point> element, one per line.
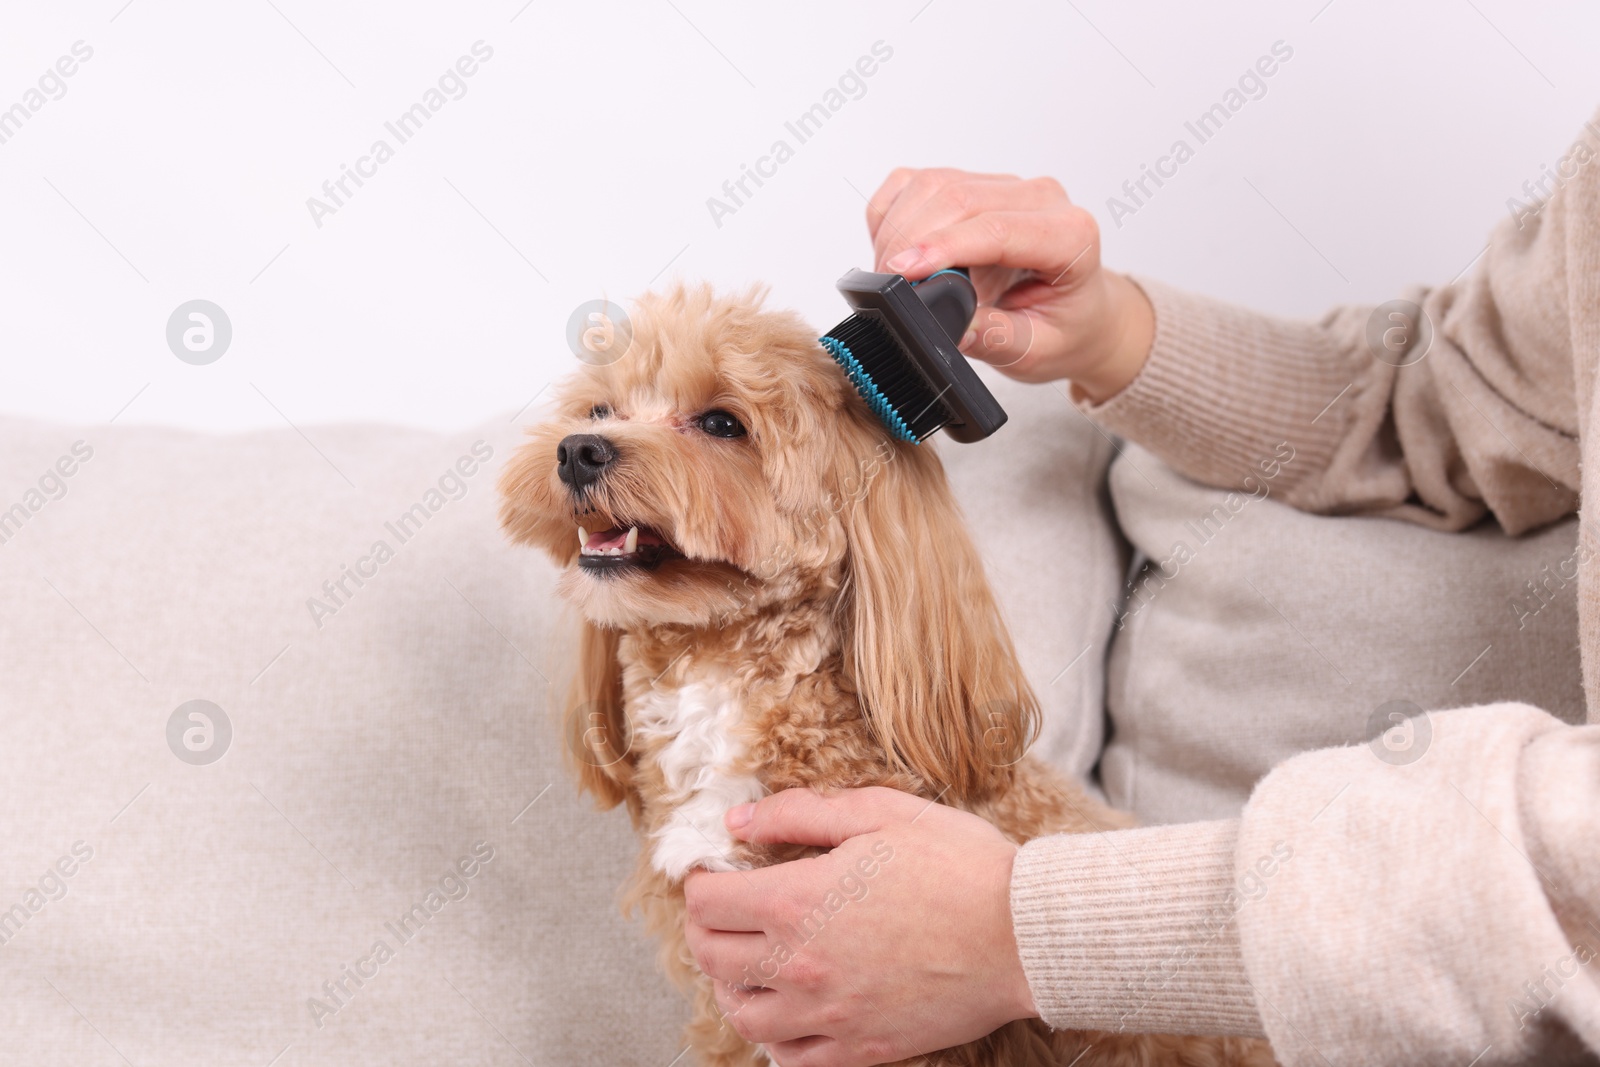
<point>617,537</point>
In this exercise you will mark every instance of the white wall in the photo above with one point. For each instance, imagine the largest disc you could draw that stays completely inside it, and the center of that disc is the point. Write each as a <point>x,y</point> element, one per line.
<point>192,138</point>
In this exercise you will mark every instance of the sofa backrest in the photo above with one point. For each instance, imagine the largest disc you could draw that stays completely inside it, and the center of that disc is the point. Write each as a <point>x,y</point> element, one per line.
<point>282,706</point>
<point>1253,631</point>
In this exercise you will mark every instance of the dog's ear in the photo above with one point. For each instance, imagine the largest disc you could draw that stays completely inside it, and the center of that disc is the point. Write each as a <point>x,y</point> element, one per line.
<point>927,649</point>
<point>596,729</point>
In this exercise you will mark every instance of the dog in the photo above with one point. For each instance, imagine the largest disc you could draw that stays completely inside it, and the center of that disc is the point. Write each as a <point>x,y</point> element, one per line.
<point>775,593</point>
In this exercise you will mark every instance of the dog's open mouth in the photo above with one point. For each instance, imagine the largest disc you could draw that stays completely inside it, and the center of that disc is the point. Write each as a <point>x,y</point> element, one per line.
<point>621,547</point>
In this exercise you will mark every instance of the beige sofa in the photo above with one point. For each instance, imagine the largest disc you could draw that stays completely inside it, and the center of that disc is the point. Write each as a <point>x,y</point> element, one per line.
<point>363,849</point>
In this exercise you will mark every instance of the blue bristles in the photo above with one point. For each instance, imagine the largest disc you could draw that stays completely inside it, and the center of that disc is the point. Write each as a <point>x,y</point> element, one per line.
<point>868,389</point>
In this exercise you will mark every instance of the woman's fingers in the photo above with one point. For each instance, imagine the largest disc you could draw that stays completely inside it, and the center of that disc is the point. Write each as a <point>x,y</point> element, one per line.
<point>737,958</point>
<point>763,1016</point>
<point>816,1051</point>
<point>1057,246</point>
<point>1047,309</point>
<point>879,203</point>
<point>859,922</point>
<point>735,901</point>
<point>807,817</point>
<point>907,189</point>
<point>909,222</point>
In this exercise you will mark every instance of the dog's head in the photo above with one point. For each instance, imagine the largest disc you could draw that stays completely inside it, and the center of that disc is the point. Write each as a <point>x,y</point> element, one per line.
<point>724,468</point>
<point>697,478</point>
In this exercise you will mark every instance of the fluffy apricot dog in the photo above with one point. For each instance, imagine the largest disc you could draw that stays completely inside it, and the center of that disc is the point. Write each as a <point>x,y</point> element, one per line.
<point>775,593</point>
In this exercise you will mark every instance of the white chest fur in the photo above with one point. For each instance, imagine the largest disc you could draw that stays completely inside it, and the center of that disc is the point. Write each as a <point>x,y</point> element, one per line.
<point>700,723</point>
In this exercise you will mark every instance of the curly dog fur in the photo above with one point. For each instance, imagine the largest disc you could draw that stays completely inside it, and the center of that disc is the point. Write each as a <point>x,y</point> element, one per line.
<point>775,594</point>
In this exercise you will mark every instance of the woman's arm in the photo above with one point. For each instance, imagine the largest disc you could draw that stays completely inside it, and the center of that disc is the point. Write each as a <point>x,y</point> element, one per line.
<point>1444,911</point>
<point>1436,407</point>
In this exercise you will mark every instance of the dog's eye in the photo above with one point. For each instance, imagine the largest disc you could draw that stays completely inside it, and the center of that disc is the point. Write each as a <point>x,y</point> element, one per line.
<point>600,411</point>
<point>721,424</point>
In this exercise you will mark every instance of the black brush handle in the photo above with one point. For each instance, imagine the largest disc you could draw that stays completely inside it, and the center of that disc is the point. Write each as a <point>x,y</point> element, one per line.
<point>949,295</point>
<point>922,323</point>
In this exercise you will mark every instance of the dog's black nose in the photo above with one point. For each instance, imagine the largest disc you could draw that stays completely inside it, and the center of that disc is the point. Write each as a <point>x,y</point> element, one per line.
<point>582,457</point>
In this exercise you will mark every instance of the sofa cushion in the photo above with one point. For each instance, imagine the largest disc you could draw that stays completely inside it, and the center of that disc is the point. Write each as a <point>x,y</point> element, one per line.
<point>380,735</point>
<point>1253,631</point>
<point>372,854</point>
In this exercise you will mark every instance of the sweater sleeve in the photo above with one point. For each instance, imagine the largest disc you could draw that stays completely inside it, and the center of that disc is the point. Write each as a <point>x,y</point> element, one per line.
<point>1134,930</point>
<point>1436,407</point>
<point>1443,910</point>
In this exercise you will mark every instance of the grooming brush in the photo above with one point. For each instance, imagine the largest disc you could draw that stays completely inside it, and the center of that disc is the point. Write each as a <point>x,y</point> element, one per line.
<point>899,348</point>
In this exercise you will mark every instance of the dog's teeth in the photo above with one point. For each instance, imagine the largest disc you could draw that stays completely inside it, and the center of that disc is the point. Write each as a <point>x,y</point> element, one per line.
<point>633,540</point>
<point>583,537</point>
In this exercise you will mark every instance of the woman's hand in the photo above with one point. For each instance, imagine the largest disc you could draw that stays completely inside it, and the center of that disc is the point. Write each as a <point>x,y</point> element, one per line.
<point>897,942</point>
<point>1047,308</point>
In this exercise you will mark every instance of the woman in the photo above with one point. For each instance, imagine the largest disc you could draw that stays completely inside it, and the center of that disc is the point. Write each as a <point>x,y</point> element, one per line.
<point>1444,912</point>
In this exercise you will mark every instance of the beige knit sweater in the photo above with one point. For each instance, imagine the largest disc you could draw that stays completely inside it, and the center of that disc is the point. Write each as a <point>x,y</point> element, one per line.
<point>1442,912</point>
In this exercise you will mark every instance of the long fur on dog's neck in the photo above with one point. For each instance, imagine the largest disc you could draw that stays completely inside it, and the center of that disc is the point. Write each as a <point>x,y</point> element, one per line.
<point>704,703</point>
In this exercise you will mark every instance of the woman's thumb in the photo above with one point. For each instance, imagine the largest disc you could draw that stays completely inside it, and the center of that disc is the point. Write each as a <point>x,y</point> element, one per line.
<point>805,817</point>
